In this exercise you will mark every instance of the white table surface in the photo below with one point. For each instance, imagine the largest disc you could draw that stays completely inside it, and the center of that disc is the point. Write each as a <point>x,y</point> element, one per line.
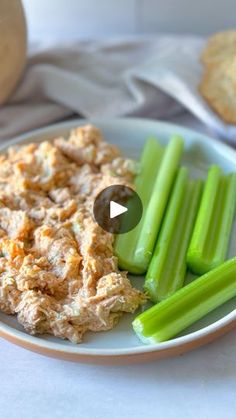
<point>200,384</point>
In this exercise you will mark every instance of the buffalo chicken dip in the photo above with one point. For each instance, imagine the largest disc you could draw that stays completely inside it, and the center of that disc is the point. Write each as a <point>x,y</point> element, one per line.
<point>58,272</point>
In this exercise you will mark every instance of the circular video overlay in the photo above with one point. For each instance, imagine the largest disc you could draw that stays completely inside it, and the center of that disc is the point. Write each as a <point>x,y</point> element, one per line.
<point>117,209</point>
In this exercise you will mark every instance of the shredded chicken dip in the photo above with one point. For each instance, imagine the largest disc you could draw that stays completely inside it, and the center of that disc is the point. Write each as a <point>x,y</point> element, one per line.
<point>58,272</point>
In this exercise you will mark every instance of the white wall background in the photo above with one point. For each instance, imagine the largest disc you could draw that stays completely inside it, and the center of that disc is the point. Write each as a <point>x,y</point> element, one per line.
<point>68,19</point>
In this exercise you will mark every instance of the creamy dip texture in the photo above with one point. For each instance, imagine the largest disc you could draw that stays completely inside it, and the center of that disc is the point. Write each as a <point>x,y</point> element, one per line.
<point>58,272</point>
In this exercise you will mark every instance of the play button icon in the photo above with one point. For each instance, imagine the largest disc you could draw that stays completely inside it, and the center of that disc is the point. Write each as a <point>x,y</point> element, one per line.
<point>117,209</point>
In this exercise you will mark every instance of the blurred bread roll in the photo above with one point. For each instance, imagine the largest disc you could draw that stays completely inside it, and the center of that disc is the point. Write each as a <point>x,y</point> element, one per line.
<point>218,84</point>
<point>218,87</point>
<point>219,47</point>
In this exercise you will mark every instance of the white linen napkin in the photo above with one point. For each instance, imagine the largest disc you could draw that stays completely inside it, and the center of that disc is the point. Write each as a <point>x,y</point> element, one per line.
<point>153,77</point>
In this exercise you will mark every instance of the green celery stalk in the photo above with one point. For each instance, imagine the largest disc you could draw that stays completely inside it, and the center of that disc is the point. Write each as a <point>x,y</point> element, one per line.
<point>211,235</point>
<point>144,183</point>
<point>165,320</point>
<point>134,250</point>
<point>157,204</point>
<point>168,265</point>
<point>154,208</point>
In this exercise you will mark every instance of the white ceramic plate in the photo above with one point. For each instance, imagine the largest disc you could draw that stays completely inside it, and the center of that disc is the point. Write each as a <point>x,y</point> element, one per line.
<point>121,344</point>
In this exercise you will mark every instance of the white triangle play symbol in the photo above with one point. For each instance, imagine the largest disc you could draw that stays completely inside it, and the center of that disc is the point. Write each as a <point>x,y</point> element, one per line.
<point>116,209</point>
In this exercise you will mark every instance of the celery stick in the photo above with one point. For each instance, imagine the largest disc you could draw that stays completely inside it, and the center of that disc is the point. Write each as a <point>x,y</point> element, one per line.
<point>157,204</point>
<point>213,226</point>
<point>168,264</point>
<point>134,249</point>
<point>149,165</point>
<point>168,318</point>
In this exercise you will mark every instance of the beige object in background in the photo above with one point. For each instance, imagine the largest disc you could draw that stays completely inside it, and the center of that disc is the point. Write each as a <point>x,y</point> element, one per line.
<point>219,47</point>
<point>218,85</point>
<point>13,46</point>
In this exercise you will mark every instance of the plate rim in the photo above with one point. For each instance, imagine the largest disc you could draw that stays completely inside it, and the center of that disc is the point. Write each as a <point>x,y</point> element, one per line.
<point>57,349</point>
